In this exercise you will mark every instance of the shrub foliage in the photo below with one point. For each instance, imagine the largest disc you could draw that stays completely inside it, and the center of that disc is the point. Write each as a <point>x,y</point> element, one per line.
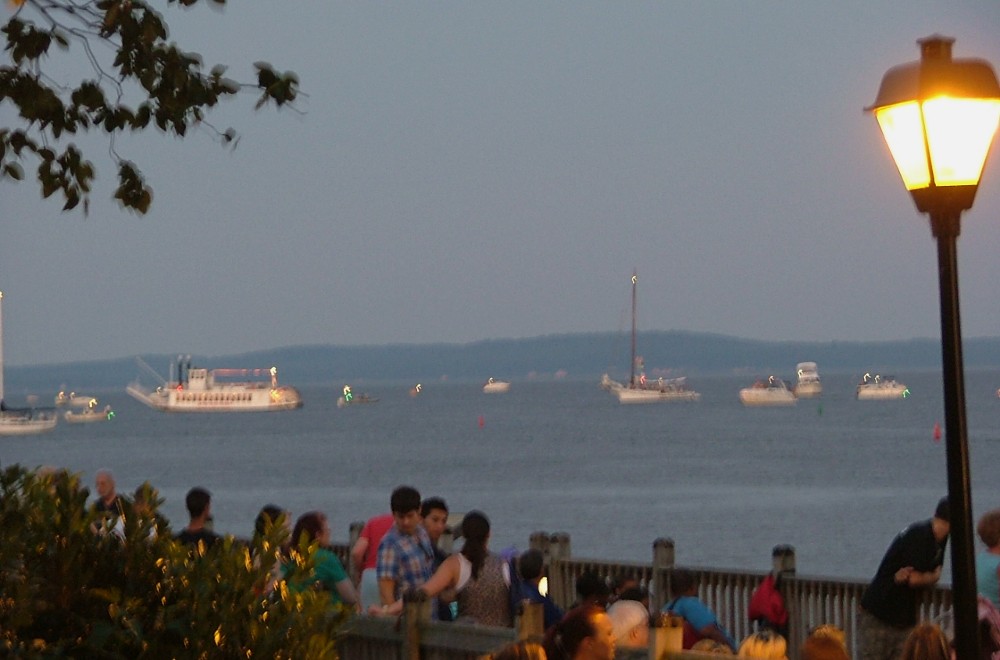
<point>70,586</point>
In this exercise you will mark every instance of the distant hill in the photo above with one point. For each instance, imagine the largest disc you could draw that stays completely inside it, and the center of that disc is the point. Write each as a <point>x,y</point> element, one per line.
<point>574,356</point>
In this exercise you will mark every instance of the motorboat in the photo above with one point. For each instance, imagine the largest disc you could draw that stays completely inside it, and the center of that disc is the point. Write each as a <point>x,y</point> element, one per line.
<point>772,392</point>
<point>348,398</point>
<point>196,389</point>
<point>21,421</point>
<point>89,414</point>
<point>639,389</point>
<point>496,386</point>
<point>877,387</point>
<point>808,385</point>
<point>73,399</point>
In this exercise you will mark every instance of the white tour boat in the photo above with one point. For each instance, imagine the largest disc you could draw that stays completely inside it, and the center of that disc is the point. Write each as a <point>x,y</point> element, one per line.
<point>773,392</point>
<point>640,390</point>
<point>21,421</point>
<point>808,385</point>
<point>197,389</point>
<point>877,387</point>
<point>496,386</point>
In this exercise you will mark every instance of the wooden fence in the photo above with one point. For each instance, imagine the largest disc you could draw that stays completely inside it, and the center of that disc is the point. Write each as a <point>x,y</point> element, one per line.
<point>810,601</point>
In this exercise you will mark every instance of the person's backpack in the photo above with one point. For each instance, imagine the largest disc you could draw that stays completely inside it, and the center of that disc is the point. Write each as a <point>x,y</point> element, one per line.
<point>767,605</point>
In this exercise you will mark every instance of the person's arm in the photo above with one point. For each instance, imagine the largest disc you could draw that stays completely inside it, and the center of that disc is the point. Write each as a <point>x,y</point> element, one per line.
<point>387,591</point>
<point>445,577</point>
<point>924,578</point>
<point>348,594</point>
<point>358,558</point>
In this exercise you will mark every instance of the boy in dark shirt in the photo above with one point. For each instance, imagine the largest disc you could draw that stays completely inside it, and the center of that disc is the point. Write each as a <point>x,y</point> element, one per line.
<point>199,506</point>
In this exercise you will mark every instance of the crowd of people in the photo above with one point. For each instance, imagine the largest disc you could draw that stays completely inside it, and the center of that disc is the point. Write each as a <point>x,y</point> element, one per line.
<point>397,557</point>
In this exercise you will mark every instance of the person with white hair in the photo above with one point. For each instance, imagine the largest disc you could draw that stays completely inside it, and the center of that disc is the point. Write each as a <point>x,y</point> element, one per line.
<point>630,622</point>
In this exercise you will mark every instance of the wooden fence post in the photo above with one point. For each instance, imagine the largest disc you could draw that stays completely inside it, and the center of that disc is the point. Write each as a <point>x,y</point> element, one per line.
<point>531,621</point>
<point>416,613</point>
<point>665,636</point>
<point>663,563</point>
<point>539,541</point>
<point>783,559</point>
<point>560,584</point>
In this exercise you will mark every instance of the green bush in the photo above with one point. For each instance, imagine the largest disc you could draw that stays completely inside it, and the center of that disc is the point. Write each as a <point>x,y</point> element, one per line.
<point>72,587</point>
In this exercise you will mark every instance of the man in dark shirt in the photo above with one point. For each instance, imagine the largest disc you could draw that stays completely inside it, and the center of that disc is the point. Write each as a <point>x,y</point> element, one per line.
<point>889,604</point>
<point>199,506</point>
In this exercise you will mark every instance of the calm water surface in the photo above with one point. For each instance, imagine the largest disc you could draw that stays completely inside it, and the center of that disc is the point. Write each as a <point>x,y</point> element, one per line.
<point>834,477</point>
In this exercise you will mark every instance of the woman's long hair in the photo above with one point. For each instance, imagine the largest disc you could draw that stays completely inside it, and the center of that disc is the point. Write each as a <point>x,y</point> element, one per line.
<point>475,531</point>
<point>926,642</point>
<point>563,639</point>
<point>309,524</point>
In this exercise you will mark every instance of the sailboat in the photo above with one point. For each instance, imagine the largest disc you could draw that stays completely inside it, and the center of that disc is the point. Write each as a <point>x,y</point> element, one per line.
<point>21,421</point>
<point>642,390</point>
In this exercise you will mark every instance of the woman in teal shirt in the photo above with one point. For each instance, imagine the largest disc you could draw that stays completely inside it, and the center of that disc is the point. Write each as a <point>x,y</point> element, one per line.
<point>328,573</point>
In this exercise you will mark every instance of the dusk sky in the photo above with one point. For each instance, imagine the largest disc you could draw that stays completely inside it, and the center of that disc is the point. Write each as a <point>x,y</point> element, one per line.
<point>461,171</point>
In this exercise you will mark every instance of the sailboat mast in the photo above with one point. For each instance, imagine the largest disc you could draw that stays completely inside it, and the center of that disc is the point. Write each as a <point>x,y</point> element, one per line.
<point>631,376</point>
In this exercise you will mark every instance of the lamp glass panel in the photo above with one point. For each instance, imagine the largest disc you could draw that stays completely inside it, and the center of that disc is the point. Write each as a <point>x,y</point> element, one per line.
<point>959,134</point>
<point>904,134</point>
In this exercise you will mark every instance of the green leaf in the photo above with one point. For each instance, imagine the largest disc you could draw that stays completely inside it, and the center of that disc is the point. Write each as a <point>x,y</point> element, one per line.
<point>14,171</point>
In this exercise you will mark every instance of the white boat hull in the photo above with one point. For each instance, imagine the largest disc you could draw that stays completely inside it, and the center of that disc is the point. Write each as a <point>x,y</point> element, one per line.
<point>496,387</point>
<point>87,416</point>
<point>808,390</point>
<point>15,424</point>
<point>221,398</point>
<point>880,392</point>
<point>767,396</point>
<point>629,396</point>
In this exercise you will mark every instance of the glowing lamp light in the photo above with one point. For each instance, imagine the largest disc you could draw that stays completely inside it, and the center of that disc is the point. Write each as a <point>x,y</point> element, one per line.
<point>938,117</point>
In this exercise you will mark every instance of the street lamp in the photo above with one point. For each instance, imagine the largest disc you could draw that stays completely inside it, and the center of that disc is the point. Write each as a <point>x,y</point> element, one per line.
<point>939,117</point>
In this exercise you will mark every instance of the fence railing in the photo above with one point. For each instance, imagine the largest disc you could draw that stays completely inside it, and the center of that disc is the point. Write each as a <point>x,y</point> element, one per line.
<point>811,601</point>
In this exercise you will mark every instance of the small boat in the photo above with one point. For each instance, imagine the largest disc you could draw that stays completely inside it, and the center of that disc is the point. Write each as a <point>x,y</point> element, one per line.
<point>669,389</point>
<point>200,390</point>
<point>21,421</point>
<point>772,392</point>
<point>875,388</point>
<point>348,398</point>
<point>808,385</point>
<point>73,399</point>
<point>89,414</point>
<point>496,386</point>
<point>640,390</point>
<point>416,389</point>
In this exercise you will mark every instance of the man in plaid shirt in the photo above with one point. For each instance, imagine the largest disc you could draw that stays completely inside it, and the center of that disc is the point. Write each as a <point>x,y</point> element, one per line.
<point>405,554</point>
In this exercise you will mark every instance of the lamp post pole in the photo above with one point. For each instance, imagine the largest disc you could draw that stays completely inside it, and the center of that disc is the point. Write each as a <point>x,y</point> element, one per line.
<point>939,117</point>
<point>946,227</point>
